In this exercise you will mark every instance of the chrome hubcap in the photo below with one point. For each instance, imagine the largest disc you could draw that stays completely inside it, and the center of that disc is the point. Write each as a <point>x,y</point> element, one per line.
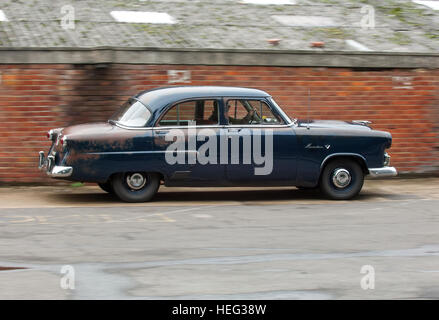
<point>136,181</point>
<point>341,178</point>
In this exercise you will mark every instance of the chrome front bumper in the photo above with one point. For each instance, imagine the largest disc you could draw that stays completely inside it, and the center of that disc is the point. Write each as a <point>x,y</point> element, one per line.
<point>383,172</point>
<point>51,169</point>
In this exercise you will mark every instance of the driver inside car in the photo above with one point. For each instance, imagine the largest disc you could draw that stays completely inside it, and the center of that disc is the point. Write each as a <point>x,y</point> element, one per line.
<point>246,120</point>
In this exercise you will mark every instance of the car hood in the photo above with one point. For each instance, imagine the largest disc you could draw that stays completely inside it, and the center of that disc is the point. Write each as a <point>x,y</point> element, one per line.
<point>334,124</point>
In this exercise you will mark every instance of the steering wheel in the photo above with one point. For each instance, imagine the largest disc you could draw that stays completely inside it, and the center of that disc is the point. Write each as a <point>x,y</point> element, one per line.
<point>253,116</point>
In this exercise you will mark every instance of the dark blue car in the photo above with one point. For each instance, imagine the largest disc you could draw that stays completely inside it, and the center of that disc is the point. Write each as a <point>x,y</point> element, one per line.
<point>215,136</point>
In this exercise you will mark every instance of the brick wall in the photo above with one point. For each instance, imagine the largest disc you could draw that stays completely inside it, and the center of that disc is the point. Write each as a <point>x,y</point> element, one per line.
<point>35,98</point>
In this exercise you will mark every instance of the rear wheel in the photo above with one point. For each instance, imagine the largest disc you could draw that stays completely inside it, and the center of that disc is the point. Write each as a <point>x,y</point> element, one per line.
<point>342,179</point>
<point>136,186</point>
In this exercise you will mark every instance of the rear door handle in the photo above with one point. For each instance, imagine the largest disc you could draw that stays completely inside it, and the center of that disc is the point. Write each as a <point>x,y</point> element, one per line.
<point>161,132</point>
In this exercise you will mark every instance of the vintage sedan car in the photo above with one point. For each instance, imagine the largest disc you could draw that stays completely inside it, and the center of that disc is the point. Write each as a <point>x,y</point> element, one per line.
<point>215,136</point>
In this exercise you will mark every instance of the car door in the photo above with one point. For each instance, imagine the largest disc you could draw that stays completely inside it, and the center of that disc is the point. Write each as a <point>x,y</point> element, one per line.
<point>263,147</point>
<point>186,139</point>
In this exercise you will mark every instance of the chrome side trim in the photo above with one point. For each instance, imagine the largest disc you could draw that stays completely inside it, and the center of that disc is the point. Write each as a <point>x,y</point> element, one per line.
<point>206,126</point>
<point>165,127</point>
<point>259,126</point>
<point>383,172</point>
<point>342,154</point>
<point>144,152</point>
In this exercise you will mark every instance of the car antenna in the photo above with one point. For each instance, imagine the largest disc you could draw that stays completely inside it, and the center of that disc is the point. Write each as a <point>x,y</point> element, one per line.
<point>309,107</point>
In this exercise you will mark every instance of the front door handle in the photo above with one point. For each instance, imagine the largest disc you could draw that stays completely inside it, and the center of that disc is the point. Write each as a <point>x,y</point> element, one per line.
<point>234,130</point>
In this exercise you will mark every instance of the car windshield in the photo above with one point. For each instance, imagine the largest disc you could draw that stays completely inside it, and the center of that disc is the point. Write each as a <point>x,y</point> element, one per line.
<point>279,109</point>
<point>133,113</point>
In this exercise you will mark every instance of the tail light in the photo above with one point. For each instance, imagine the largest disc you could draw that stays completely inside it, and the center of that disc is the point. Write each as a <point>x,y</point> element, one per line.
<point>50,135</point>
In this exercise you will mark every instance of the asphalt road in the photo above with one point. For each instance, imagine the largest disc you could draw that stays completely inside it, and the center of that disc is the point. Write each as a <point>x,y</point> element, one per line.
<point>227,244</point>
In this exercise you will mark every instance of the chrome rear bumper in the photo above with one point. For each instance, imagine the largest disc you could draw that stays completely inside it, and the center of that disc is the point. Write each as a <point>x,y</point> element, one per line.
<point>51,169</point>
<point>383,172</point>
<point>60,172</point>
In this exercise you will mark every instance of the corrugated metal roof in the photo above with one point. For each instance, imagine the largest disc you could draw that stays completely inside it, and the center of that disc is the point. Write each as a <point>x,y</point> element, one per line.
<point>400,25</point>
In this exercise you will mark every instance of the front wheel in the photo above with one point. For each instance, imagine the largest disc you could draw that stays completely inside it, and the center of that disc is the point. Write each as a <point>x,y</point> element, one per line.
<point>342,179</point>
<point>136,186</point>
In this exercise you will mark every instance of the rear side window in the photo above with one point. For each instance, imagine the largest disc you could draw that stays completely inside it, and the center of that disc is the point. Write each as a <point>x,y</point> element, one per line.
<point>193,112</point>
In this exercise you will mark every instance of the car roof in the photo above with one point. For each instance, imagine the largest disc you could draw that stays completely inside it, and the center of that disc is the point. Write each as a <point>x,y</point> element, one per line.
<point>161,97</point>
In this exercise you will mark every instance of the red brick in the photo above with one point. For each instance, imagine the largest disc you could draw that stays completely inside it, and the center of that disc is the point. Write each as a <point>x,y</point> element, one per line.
<point>36,98</point>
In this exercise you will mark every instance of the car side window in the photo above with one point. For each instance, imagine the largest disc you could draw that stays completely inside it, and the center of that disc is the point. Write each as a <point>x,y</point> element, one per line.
<point>244,111</point>
<point>200,112</point>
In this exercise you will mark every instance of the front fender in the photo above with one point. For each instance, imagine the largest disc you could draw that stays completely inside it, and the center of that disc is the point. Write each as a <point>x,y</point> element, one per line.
<point>317,146</point>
